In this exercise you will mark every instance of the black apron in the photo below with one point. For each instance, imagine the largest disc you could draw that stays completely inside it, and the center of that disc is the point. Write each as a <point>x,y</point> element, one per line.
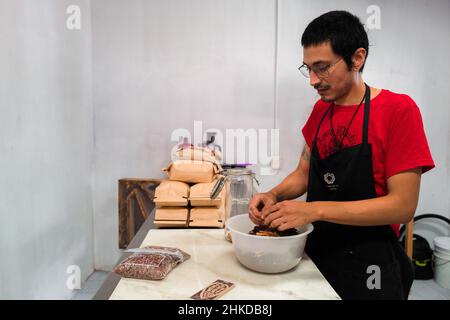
<point>344,253</point>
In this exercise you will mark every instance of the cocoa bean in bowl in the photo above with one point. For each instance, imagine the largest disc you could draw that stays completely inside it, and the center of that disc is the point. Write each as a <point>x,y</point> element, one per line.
<point>266,231</point>
<point>266,254</point>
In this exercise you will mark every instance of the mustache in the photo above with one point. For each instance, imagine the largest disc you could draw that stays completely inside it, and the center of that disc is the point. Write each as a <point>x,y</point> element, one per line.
<point>319,87</point>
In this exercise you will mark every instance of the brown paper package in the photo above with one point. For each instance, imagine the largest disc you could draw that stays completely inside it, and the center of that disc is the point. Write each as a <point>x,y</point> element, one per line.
<point>192,171</point>
<point>172,193</point>
<point>207,216</point>
<point>171,217</point>
<point>196,153</point>
<point>199,195</point>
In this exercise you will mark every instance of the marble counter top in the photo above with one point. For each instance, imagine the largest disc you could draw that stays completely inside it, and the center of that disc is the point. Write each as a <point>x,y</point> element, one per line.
<point>212,258</point>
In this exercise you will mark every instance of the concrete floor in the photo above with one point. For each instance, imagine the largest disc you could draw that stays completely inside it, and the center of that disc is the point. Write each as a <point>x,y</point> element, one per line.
<point>90,287</point>
<point>428,290</point>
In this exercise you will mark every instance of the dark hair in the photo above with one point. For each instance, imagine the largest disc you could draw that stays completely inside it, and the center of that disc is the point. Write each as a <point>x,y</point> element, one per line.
<point>343,30</point>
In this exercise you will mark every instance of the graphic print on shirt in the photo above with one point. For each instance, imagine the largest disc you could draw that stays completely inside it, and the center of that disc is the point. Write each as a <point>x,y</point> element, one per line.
<point>326,143</point>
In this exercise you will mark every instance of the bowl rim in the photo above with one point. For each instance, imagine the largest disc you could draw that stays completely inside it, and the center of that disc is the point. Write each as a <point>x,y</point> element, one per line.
<point>309,226</point>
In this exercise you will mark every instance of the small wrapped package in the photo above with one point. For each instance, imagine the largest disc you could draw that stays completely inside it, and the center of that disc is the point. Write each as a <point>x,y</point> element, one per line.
<point>171,193</point>
<point>212,217</point>
<point>192,171</point>
<point>197,153</point>
<point>200,195</point>
<point>151,262</point>
<point>171,217</point>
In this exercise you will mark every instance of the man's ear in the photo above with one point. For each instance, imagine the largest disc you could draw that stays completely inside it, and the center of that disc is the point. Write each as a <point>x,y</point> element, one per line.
<point>358,58</point>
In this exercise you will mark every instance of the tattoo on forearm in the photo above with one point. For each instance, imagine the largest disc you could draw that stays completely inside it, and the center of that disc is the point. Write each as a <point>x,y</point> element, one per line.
<point>305,154</point>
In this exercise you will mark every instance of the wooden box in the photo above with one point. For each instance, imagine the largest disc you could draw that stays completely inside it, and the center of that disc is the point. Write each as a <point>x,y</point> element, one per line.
<point>135,205</point>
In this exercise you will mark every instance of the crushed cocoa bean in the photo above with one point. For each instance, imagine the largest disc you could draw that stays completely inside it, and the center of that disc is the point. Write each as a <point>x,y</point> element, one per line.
<point>266,231</point>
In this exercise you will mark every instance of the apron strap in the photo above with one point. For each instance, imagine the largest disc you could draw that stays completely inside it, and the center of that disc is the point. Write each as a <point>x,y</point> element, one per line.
<point>365,124</point>
<point>366,115</point>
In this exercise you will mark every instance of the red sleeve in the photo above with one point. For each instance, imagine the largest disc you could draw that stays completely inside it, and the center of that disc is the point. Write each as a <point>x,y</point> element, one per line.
<point>407,146</point>
<point>310,127</point>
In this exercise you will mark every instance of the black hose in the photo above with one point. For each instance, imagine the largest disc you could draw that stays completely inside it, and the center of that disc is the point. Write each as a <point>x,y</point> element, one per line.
<point>424,216</point>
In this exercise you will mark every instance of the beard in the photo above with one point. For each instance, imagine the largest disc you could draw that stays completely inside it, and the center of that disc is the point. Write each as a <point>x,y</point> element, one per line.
<point>334,93</point>
<point>326,99</point>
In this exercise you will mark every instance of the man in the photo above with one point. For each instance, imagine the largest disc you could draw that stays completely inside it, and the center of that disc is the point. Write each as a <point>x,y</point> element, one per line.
<point>361,167</point>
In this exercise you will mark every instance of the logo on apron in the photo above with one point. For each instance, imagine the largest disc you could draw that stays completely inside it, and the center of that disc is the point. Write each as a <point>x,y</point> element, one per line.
<point>329,178</point>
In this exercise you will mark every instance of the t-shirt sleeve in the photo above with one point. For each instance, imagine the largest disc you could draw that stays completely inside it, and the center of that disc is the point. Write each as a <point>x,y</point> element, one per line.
<point>310,127</point>
<point>407,145</point>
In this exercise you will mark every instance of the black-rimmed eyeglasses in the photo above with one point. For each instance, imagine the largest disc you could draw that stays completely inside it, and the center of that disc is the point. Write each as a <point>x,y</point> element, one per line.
<point>322,71</point>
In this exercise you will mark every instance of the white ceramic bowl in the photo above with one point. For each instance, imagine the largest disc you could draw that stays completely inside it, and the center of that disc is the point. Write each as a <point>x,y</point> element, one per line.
<point>266,254</point>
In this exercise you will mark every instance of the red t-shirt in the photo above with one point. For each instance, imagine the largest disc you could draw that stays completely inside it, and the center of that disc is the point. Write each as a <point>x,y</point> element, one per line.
<point>396,134</point>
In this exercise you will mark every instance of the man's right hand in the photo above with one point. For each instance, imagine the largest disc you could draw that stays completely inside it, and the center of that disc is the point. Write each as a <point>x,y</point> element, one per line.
<point>259,202</point>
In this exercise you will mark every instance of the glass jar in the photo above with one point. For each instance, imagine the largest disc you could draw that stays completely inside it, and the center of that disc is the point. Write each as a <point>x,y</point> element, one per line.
<point>240,188</point>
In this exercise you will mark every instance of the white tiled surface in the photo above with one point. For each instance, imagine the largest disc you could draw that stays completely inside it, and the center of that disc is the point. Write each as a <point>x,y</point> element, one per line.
<point>421,289</point>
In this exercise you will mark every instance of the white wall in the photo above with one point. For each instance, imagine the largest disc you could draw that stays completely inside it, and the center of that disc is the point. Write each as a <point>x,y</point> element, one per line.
<point>46,148</point>
<point>408,54</point>
<point>416,64</point>
<point>160,65</point>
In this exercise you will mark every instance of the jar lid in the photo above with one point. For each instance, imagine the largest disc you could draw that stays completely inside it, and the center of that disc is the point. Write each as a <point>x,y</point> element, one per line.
<point>442,243</point>
<point>239,171</point>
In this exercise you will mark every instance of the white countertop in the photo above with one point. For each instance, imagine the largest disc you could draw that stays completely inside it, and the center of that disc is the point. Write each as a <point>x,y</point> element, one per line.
<point>212,258</point>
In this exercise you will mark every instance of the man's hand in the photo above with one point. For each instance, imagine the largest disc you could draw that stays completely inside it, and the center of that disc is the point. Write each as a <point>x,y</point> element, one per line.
<point>260,201</point>
<point>290,214</point>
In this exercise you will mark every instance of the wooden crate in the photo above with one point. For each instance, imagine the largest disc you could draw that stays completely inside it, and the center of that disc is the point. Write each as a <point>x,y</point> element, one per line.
<point>135,205</point>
